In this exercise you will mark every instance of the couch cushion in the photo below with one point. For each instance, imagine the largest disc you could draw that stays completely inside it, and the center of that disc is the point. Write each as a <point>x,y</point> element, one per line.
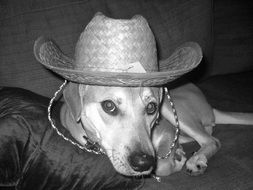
<point>22,22</point>
<point>233,36</point>
<point>231,92</point>
<point>33,156</point>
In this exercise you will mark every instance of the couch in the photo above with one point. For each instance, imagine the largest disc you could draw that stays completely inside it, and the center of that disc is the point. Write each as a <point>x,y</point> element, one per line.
<point>222,28</point>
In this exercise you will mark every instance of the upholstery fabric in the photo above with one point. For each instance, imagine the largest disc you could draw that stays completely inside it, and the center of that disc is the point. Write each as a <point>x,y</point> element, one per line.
<point>230,92</point>
<point>233,37</point>
<point>33,156</point>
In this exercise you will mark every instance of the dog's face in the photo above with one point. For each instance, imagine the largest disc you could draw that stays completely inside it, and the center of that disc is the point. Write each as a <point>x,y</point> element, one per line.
<point>122,119</point>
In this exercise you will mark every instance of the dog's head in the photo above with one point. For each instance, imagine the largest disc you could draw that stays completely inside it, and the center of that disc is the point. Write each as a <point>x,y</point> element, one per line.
<point>120,119</point>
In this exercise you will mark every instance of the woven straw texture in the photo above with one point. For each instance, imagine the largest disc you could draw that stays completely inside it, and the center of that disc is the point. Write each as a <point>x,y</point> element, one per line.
<point>112,44</point>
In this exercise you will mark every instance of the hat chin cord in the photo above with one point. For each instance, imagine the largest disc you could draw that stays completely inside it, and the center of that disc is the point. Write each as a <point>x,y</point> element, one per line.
<point>92,137</point>
<point>90,146</point>
<point>177,132</point>
<point>94,147</point>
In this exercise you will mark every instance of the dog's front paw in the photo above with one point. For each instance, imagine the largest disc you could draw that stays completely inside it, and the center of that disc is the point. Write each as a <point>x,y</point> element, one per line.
<point>172,164</point>
<point>196,165</point>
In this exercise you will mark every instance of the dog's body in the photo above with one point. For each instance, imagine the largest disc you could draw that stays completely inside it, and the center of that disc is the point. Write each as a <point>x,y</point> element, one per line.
<point>197,120</point>
<point>121,120</point>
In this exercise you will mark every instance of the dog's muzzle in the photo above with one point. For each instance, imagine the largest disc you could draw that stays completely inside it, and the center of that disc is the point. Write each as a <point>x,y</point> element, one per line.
<point>141,162</point>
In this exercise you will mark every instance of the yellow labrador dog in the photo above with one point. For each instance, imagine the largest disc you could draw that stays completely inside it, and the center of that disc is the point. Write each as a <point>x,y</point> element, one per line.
<point>121,119</point>
<point>197,120</point>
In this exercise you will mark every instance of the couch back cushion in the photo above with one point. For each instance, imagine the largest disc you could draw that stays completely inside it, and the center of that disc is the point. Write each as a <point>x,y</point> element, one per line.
<point>233,36</point>
<point>22,22</point>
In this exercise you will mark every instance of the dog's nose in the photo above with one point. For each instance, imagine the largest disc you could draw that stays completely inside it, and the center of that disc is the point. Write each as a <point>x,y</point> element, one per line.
<point>141,162</point>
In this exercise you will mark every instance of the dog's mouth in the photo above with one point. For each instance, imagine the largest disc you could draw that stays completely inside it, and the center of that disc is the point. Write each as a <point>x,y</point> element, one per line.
<point>131,164</point>
<point>125,161</point>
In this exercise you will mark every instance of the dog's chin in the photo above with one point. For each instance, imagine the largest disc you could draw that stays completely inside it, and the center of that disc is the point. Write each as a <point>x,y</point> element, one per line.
<point>128,171</point>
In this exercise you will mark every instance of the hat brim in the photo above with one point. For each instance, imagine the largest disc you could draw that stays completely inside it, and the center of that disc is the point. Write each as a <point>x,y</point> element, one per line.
<point>184,59</point>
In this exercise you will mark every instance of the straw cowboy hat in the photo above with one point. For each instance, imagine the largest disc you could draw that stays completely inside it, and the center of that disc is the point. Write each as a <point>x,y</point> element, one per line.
<point>117,52</point>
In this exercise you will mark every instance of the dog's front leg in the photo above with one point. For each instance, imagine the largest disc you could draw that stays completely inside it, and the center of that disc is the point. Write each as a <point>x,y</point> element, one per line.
<point>192,125</point>
<point>209,145</point>
<point>162,137</point>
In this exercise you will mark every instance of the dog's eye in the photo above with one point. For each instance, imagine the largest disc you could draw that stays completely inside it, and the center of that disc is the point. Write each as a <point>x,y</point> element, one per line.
<point>151,108</point>
<point>109,107</point>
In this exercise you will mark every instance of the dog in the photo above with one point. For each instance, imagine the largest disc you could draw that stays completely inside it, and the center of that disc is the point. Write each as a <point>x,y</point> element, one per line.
<point>122,121</point>
<point>197,120</point>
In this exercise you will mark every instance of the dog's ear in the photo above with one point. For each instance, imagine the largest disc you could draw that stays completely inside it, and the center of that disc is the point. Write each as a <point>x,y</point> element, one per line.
<point>73,100</point>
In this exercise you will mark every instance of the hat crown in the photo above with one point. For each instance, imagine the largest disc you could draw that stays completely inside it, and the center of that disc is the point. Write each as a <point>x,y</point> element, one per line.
<point>116,45</point>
